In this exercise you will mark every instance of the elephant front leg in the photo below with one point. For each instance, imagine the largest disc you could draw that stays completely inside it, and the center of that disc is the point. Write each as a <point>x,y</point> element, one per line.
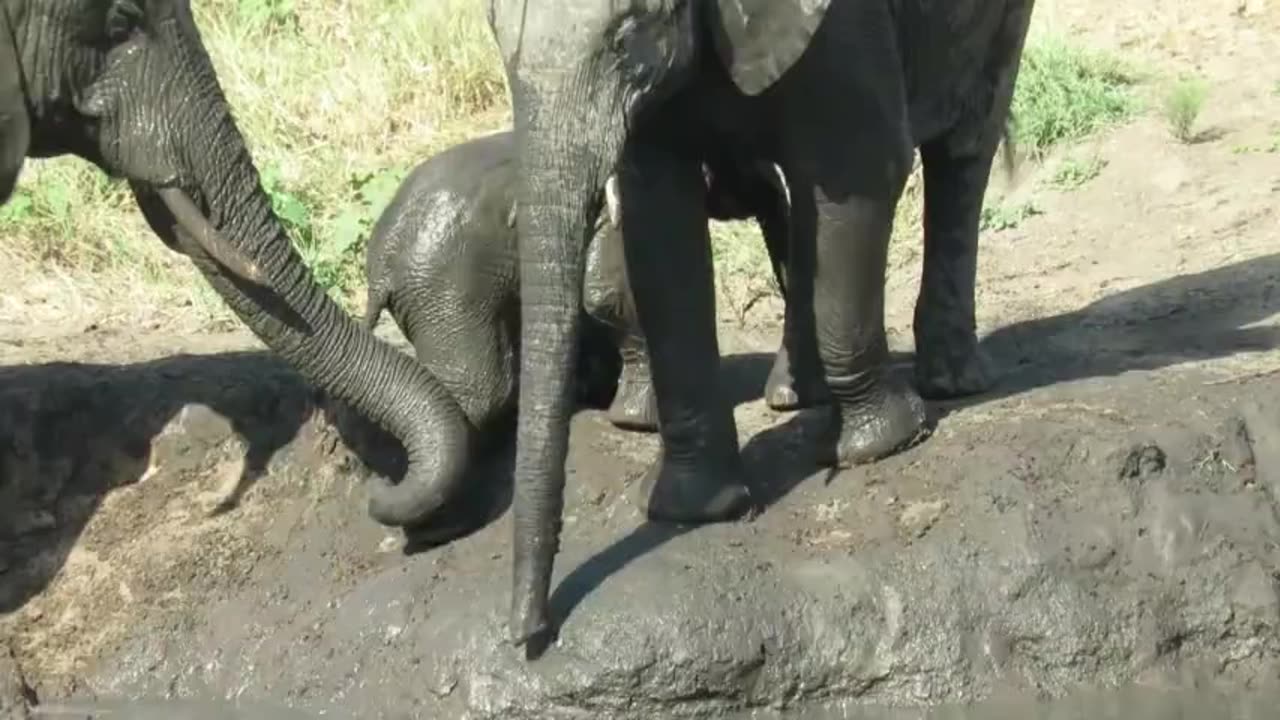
<point>699,477</point>
<point>949,361</point>
<point>877,414</point>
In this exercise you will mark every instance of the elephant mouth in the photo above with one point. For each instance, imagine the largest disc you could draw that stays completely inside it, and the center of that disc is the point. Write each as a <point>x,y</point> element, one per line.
<point>198,235</point>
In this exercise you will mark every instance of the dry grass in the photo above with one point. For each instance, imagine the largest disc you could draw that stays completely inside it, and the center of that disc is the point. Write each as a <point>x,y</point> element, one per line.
<point>339,100</point>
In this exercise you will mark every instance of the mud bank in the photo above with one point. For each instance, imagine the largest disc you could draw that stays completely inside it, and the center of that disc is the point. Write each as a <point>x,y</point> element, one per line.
<point>1086,535</point>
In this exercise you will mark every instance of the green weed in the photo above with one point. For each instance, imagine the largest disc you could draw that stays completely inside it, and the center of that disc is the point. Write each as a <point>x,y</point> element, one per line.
<point>1064,93</point>
<point>1074,172</point>
<point>1006,217</point>
<point>1183,102</point>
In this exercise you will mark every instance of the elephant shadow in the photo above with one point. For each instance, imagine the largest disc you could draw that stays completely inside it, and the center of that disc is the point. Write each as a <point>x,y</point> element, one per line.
<point>1196,316</point>
<point>70,433</point>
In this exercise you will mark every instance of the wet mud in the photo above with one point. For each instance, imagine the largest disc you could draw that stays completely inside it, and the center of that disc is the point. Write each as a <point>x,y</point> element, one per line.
<point>1071,537</point>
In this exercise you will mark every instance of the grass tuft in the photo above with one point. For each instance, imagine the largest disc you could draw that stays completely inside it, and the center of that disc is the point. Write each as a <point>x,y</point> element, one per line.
<point>1183,102</point>
<point>1065,93</point>
<point>1074,172</point>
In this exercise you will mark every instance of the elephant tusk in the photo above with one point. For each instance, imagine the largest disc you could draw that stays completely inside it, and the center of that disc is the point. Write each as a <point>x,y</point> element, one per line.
<point>612,204</point>
<point>195,224</point>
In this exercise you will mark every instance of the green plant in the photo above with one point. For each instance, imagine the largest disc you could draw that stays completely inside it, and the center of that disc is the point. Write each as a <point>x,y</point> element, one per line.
<point>267,15</point>
<point>1183,102</point>
<point>1006,217</point>
<point>1064,93</point>
<point>1073,172</point>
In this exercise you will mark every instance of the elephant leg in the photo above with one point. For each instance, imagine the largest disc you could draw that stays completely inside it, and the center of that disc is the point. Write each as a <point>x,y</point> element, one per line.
<point>793,384</point>
<point>949,361</point>
<point>635,406</point>
<point>878,413</point>
<point>847,157</point>
<point>608,299</point>
<point>699,475</point>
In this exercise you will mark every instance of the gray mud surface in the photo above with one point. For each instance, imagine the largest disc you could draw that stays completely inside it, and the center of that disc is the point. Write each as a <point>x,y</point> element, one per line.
<point>1116,530</point>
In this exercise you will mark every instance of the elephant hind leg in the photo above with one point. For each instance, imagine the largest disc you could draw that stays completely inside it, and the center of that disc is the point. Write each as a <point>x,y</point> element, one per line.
<point>608,300</point>
<point>949,361</point>
<point>634,406</point>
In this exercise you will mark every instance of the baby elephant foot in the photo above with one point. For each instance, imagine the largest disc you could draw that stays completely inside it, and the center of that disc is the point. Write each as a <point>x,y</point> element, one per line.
<point>953,371</point>
<point>634,406</point>
<point>880,421</point>
<point>786,389</point>
<point>694,492</point>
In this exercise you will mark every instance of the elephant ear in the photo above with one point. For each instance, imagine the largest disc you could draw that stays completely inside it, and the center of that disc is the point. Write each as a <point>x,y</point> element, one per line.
<point>15,125</point>
<point>759,40</point>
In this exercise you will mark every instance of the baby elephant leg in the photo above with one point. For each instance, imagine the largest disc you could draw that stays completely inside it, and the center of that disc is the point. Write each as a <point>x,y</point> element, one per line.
<point>607,296</point>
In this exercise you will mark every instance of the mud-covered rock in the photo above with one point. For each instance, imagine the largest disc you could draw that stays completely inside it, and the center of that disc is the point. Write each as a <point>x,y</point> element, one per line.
<point>1038,555</point>
<point>1084,536</point>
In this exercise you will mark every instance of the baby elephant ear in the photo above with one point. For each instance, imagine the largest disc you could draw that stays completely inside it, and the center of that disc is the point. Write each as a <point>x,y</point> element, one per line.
<point>15,125</point>
<point>759,40</point>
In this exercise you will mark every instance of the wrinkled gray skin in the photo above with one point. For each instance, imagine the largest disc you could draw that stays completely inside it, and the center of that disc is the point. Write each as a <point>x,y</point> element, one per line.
<point>443,258</point>
<point>128,86</point>
<point>837,93</point>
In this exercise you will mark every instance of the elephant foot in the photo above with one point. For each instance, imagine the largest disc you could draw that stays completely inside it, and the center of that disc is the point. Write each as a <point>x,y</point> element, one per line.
<point>785,391</point>
<point>694,492</point>
<point>952,371</point>
<point>635,407</point>
<point>886,418</point>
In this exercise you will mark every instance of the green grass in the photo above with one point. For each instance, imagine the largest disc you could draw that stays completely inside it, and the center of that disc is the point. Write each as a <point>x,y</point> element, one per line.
<point>1183,102</point>
<point>339,101</point>
<point>1065,93</point>
<point>1000,216</point>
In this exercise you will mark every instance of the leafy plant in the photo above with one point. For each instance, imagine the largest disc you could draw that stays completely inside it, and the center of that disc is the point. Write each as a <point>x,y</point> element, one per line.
<point>1074,172</point>
<point>20,208</point>
<point>1006,217</point>
<point>1182,105</point>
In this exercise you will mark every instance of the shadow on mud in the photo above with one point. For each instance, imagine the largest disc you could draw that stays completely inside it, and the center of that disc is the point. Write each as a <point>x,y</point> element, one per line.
<point>1190,317</point>
<point>72,432</point>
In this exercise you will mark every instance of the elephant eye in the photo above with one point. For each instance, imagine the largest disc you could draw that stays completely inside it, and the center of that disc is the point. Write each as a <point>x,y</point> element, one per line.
<point>123,18</point>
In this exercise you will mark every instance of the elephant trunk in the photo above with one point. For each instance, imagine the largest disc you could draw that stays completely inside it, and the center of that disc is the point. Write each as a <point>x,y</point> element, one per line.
<point>285,307</point>
<point>560,197</point>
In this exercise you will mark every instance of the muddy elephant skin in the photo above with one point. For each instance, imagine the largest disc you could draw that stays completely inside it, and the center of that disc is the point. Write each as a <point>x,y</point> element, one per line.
<point>443,260</point>
<point>837,93</point>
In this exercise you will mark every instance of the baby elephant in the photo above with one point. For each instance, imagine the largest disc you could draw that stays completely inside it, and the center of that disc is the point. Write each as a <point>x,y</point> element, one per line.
<point>443,259</point>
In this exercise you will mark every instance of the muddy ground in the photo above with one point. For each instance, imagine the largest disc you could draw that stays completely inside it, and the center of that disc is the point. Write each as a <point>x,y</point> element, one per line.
<point>1109,516</point>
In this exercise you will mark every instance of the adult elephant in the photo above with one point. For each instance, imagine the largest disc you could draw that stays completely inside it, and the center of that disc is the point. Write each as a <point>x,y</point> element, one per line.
<point>128,86</point>
<point>837,93</point>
